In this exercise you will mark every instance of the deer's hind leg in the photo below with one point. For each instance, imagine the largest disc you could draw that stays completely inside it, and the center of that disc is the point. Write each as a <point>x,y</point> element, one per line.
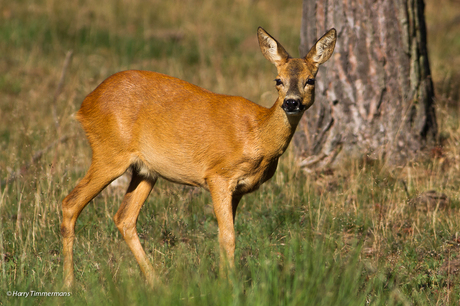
<point>99,175</point>
<point>126,219</point>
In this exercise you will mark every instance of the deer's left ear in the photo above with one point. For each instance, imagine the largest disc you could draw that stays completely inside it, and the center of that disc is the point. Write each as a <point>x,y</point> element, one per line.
<point>271,49</point>
<point>323,48</point>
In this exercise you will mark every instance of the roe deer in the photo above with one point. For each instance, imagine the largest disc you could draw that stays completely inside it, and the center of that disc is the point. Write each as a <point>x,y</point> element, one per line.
<point>160,126</point>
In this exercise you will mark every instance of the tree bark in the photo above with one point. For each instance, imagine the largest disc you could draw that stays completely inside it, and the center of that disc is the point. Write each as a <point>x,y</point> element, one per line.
<point>374,97</point>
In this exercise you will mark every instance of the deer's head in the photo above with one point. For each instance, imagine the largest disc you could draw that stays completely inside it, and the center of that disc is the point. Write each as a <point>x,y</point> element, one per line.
<point>295,81</point>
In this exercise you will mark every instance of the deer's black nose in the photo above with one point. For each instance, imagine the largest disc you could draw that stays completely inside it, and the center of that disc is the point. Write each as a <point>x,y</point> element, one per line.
<point>292,105</point>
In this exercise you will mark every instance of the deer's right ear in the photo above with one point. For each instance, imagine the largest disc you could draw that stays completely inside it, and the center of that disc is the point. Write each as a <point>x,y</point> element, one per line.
<point>271,49</point>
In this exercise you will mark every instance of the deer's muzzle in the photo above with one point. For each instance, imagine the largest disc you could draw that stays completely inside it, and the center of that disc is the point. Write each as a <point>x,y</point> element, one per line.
<point>292,106</point>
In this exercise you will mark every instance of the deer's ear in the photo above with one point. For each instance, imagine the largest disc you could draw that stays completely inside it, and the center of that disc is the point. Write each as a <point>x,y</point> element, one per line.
<point>271,49</point>
<point>323,48</point>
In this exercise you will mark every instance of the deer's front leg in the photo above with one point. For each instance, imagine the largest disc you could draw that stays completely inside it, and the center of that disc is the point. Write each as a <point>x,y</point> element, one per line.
<point>225,204</point>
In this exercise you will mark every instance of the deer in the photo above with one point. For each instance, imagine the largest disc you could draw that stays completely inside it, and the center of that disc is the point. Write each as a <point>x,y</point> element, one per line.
<point>158,126</point>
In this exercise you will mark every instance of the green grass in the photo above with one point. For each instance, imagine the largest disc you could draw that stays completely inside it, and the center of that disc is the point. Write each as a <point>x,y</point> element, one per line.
<point>294,245</point>
<point>344,237</point>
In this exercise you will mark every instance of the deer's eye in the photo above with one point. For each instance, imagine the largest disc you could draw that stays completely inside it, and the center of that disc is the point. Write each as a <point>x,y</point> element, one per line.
<point>278,82</point>
<point>310,82</point>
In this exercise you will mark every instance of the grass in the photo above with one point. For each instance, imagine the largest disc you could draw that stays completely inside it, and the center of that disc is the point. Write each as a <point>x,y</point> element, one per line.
<point>352,236</point>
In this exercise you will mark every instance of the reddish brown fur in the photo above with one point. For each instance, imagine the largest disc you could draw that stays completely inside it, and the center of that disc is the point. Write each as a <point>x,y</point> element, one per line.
<point>161,126</point>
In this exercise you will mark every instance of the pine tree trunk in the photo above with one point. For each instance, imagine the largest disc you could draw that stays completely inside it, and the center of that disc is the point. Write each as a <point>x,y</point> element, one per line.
<point>374,97</point>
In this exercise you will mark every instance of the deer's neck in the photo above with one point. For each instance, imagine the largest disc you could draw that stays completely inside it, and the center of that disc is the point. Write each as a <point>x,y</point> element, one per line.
<point>278,129</point>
